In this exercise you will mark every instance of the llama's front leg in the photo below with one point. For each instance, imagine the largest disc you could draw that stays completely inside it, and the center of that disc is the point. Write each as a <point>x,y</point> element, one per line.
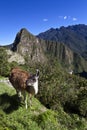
<point>30,95</point>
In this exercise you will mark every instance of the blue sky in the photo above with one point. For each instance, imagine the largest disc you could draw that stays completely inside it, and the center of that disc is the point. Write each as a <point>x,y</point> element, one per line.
<point>38,16</point>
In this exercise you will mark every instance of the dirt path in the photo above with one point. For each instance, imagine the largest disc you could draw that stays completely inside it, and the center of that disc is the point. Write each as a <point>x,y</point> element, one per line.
<point>6,81</point>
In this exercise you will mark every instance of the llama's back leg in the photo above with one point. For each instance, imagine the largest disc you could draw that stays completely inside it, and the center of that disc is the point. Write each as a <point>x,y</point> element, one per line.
<point>25,99</point>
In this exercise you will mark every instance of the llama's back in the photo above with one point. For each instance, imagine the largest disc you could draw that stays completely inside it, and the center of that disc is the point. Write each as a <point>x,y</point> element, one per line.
<point>18,78</point>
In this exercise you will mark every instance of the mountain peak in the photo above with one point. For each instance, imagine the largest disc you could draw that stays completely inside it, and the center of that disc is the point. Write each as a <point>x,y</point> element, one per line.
<point>24,31</point>
<point>23,36</point>
<point>27,45</point>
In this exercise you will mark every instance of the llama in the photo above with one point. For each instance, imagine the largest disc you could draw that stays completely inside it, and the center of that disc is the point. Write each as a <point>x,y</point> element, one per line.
<point>24,82</point>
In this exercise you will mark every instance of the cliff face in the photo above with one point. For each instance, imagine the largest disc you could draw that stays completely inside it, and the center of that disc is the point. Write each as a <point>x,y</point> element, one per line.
<point>68,58</point>
<point>59,51</point>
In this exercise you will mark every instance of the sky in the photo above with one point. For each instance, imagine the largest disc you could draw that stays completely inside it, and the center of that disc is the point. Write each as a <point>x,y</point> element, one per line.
<point>38,16</point>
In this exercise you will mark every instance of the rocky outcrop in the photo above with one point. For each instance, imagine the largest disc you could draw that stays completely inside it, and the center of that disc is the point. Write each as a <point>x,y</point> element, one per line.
<point>28,46</point>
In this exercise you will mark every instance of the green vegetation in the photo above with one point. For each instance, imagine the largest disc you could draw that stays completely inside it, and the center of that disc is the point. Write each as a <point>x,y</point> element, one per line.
<point>4,65</point>
<point>64,99</point>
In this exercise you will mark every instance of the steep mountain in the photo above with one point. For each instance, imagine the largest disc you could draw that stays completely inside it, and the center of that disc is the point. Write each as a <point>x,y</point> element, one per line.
<point>29,49</point>
<point>75,37</point>
<point>28,46</point>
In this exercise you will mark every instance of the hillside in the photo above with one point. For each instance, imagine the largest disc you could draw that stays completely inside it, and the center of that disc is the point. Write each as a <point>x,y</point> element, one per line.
<point>64,100</point>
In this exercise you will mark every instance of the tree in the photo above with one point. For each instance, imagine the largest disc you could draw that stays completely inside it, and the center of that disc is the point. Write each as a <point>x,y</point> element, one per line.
<point>4,65</point>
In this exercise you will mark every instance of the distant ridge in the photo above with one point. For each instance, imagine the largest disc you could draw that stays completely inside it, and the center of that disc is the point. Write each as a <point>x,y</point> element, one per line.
<point>75,37</point>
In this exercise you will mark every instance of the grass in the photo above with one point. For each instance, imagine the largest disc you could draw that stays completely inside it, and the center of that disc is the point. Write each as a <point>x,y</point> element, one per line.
<point>14,116</point>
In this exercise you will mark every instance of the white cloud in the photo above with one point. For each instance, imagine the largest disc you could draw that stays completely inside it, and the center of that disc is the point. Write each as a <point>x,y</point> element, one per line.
<point>65,17</point>
<point>74,19</point>
<point>45,20</point>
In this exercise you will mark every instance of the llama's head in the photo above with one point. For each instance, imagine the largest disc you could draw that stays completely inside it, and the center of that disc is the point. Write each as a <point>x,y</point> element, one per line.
<point>33,79</point>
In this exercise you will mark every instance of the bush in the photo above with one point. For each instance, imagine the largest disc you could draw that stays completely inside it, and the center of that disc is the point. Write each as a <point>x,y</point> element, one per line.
<point>48,121</point>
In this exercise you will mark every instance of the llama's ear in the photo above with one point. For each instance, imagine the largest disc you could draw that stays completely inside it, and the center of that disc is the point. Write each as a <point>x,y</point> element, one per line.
<point>37,73</point>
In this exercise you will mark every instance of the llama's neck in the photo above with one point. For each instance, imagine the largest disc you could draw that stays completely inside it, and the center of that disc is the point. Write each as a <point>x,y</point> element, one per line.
<point>36,86</point>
